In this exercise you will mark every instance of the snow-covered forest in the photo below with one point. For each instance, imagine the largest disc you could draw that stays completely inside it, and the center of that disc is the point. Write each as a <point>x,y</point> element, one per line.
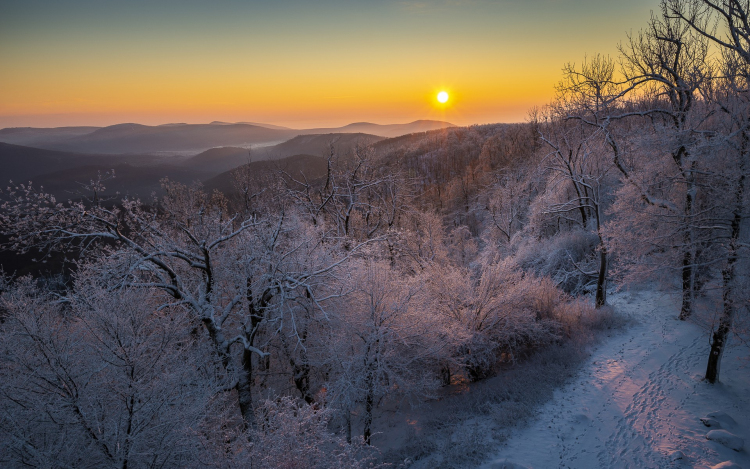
<point>296,320</point>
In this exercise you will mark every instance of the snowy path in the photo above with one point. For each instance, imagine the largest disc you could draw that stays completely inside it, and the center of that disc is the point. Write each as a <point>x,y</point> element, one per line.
<point>637,401</point>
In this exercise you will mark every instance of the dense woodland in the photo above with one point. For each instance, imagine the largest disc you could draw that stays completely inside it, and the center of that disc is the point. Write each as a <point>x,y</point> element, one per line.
<point>266,325</point>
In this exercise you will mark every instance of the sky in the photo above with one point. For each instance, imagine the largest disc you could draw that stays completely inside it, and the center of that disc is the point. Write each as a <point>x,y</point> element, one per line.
<point>297,63</point>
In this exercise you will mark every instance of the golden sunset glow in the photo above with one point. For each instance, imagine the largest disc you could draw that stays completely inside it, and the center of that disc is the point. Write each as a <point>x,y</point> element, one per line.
<point>290,63</point>
<point>442,97</point>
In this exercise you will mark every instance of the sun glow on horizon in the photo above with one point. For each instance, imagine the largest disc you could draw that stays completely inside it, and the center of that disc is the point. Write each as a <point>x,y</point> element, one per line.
<point>292,63</point>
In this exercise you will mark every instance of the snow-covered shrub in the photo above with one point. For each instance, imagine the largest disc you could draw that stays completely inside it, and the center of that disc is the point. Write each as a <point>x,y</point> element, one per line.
<point>294,435</point>
<point>523,306</point>
<point>493,318</point>
<point>574,317</point>
<point>546,297</point>
<point>580,320</point>
<point>479,355</point>
<point>604,318</point>
<point>567,258</point>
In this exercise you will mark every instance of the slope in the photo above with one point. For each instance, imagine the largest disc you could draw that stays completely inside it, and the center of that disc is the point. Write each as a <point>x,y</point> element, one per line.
<point>32,136</point>
<point>317,144</point>
<point>20,163</point>
<point>639,402</point>
<point>218,160</point>
<point>133,181</point>
<point>312,167</point>
<point>137,138</point>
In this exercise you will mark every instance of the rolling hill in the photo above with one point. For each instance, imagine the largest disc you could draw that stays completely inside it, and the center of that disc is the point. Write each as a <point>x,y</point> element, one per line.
<point>133,181</point>
<point>189,139</point>
<point>61,173</point>
<point>32,136</point>
<point>20,163</point>
<point>389,130</point>
<point>137,138</point>
<point>317,144</point>
<point>217,160</point>
<point>311,166</point>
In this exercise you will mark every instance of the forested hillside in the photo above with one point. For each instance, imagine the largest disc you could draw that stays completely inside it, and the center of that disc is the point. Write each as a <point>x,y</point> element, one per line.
<point>270,323</point>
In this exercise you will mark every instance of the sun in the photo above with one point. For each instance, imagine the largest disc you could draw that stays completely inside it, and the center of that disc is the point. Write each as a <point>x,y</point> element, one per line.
<point>442,97</point>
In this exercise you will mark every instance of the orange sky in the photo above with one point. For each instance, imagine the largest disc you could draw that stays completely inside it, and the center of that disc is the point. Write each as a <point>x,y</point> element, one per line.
<point>295,63</point>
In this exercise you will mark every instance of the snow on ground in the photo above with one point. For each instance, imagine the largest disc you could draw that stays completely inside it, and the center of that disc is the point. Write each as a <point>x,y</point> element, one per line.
<point>638,402</point>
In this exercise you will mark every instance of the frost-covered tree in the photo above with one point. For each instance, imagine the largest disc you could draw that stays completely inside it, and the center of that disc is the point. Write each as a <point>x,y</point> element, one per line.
<point>579,168</point>
<point>360,196</point>
<point>103,377</point>
<point>384,344</point>
<point>237,275</point>
<point>293,435</point>
<point>507,202</point>
<point>667,65</point>
<point>725,24</point>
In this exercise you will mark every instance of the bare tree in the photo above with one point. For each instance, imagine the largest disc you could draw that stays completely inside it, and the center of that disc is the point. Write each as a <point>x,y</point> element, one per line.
<point>581,177</point>
<point>236,275</point>
<point>101,378</point>
<point>668,63</point>
<point>726,24</point>
<point>383,341</point>
<point>663,71</point>
<point>359,197</point>
<point>507,204</point>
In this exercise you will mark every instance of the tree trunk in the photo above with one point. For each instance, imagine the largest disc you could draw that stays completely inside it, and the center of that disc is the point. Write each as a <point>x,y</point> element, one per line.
<point>721,334</point>
<point>245,374</point>
<point>369,406</point>
<point>302,380</point>
<point>601,280</point>
<point>687,284</point>
<point>445,375</point>
<point>129,429</point>
<point>348,426</point>
<point>688,274</point>
<point>245,389</point>
<point>300,368</point>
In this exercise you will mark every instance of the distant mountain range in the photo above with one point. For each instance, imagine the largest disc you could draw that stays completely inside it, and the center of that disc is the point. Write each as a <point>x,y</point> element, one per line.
<point>186,139</point>
<point>137,138</point>
<point>389,130</point>
<point>63,159</point>
<point>20,163</point>
<point>39,137</point>
<point>62,173</point>
<point>225,158</point>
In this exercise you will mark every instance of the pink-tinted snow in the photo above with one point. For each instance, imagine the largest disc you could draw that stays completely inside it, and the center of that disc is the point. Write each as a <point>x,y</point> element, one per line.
<point>638,402</point>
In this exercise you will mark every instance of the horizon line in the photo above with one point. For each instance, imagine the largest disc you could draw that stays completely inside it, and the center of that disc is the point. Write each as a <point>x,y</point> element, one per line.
<point>219,122</point>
